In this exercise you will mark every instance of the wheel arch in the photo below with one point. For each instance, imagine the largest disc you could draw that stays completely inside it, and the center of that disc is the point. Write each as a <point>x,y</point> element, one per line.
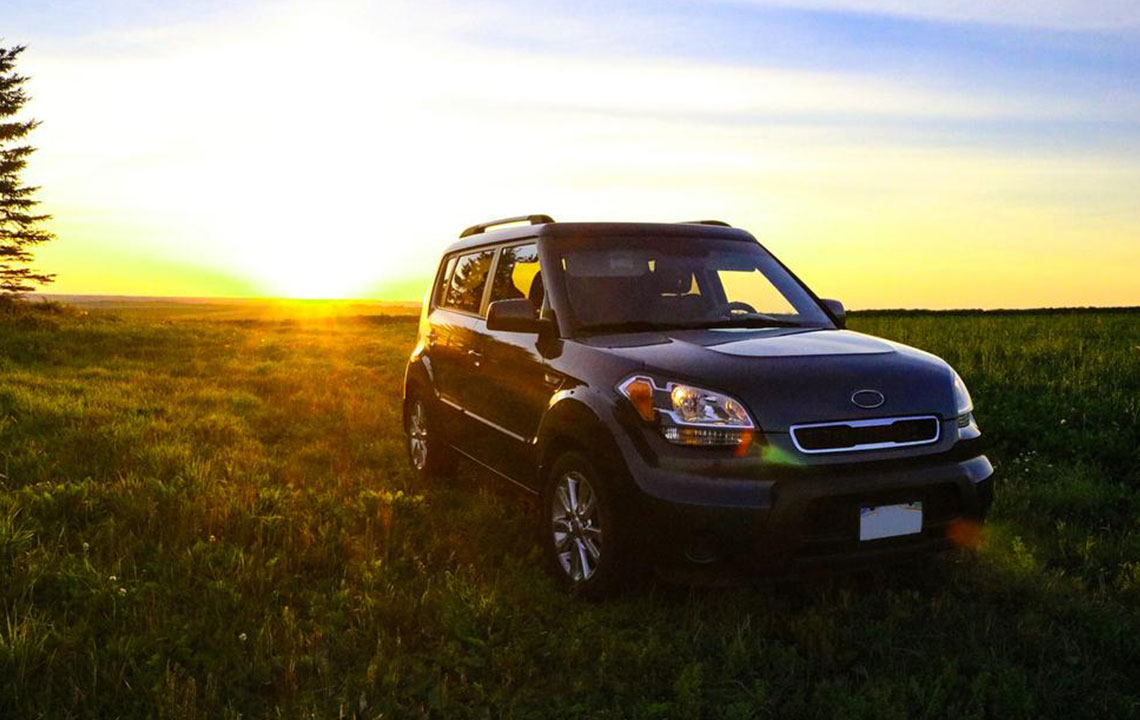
<point>418,377</point>
<point>572,423</point>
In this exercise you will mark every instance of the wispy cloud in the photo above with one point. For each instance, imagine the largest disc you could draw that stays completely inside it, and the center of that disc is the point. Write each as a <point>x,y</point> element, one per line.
<point>334,148</point>
<point>1112,15</point>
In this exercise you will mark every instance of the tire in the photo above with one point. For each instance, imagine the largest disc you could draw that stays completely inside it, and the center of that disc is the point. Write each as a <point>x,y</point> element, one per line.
<point>582,542</point>
<point>428,452</point>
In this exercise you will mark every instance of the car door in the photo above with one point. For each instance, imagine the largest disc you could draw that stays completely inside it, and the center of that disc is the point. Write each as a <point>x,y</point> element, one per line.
<point>456,338</point>
<point>517,382</point>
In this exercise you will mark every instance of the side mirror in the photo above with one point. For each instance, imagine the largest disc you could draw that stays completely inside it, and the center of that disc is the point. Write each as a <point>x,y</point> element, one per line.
<point>836,309</point>
<point>517,315</point>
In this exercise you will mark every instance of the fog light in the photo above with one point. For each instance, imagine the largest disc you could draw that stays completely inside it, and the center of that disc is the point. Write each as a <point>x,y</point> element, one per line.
<point>702,549</point>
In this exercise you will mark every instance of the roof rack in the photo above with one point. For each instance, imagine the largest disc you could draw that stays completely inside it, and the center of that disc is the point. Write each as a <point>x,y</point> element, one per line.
<point>482,227</point>
<point>718,223</point>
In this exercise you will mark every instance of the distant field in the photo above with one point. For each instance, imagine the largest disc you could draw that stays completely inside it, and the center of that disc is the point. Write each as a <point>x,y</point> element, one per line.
<point>231,309</point>
<point>205,512</point>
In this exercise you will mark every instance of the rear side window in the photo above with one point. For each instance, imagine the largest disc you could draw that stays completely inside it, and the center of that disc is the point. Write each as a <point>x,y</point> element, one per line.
<point>464,291</point>
<point>516,275</point>
<point>444,280</point>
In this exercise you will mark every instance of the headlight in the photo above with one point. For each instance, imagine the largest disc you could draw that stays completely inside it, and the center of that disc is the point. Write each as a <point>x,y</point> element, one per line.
<point>689,415</point>
<point>967,427</point>
<point>962,396</point>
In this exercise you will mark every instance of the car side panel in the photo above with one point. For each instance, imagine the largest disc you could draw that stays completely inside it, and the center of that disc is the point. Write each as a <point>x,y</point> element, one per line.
<point>455,339</point>
<point>510,397</point>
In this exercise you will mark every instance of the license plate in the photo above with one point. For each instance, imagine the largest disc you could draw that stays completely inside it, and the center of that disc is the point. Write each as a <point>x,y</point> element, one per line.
<point>890,520</point>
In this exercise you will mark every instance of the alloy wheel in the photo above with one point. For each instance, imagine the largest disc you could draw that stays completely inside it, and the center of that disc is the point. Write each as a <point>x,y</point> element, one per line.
<point>576,525</point>
<point>418,435</point>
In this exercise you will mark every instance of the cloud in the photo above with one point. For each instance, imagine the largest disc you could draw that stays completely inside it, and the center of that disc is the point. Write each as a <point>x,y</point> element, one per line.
<point>328,149</point>
<point>1111,15</point>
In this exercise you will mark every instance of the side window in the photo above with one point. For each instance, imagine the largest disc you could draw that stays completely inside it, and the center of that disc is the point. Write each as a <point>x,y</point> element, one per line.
<point>465,290</point>
<point>516,275</point>
<point>752,288</point>
<point>444,280</point>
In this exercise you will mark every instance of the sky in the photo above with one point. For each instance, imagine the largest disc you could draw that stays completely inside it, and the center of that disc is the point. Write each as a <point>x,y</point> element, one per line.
<point>894,153</point>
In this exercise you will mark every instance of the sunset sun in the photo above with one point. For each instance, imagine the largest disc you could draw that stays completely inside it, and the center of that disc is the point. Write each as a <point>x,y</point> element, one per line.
<point>332,150</point>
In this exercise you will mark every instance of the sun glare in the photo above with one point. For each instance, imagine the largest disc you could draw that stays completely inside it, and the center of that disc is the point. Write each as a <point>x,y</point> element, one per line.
<point>332,150</point>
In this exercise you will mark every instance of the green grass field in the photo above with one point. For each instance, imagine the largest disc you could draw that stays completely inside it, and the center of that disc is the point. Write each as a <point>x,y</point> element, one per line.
<point>209,515</point>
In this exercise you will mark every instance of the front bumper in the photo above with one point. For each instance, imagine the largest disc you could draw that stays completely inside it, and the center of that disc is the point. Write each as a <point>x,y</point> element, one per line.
<point>795,520</point>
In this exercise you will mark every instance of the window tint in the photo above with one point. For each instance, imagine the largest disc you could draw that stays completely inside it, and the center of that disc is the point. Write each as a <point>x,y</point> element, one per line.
<point>749,287</point>
<point>465,291</point>
<point>516,273</point>
<point>444,280</point>
<point>686,282</point>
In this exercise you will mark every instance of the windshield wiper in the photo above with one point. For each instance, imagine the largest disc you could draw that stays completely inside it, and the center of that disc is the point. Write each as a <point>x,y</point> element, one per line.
<point>751,322</point>
<point>629,326</point>
<point>634,326</point>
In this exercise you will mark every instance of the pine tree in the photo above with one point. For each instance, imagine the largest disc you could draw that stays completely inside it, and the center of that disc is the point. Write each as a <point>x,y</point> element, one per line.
<point>20,227</point>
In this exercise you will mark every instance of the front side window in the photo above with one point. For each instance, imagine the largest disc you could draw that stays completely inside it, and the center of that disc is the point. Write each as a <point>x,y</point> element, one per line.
<point>517,275</point>
<point>750,289</point>
<point>465,291</point>
<point>682,282</point>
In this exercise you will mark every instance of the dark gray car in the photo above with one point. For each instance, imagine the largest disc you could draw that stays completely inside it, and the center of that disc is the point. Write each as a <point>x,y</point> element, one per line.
<point>680,400</point>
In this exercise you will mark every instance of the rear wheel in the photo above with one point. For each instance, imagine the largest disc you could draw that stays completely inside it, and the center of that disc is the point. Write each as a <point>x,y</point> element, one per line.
<point>428,451</point>
<point>583,543</point>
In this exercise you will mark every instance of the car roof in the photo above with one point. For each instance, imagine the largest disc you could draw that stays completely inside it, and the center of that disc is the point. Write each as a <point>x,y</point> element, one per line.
<point>598,229</point>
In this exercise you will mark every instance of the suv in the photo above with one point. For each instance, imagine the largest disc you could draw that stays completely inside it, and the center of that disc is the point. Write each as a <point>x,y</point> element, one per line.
<point>678,399</point>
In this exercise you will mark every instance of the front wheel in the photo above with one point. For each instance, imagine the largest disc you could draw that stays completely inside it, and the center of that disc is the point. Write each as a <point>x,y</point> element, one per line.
<point>427,449</point>
<point>582,541</point>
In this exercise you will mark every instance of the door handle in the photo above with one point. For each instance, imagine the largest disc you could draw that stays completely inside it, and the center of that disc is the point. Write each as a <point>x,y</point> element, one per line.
<point>475,356</point>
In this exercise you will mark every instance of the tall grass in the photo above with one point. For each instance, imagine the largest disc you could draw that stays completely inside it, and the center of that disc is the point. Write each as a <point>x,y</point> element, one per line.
<point>202,517</point>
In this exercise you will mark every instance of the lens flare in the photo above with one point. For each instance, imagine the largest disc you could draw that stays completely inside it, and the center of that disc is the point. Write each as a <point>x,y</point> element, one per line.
<point>966,534</point>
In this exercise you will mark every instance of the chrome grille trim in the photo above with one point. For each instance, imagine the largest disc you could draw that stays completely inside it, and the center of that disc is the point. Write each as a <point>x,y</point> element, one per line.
<point>874,422</point>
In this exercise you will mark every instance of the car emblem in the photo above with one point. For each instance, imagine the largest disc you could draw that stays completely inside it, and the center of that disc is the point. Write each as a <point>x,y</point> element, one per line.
<point>868,399</point>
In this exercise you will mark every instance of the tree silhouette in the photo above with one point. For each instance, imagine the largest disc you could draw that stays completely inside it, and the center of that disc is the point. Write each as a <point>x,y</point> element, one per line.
<point>20,227</point>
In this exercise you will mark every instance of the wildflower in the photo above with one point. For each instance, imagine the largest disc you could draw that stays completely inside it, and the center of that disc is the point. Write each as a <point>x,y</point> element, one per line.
<point>242,637</point>
<point>213,539</point>
<point>122,592</point>
<point>113,578</point>
<point>86,547</point>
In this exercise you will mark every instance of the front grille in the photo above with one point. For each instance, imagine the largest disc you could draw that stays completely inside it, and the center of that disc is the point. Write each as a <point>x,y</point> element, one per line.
<point>876,434</point>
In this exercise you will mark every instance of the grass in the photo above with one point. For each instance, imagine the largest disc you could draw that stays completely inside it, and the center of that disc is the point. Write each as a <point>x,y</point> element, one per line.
<point>209,515</point>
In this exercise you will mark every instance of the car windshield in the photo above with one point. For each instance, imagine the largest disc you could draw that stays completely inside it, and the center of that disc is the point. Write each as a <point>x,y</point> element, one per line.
<point>648,284</point>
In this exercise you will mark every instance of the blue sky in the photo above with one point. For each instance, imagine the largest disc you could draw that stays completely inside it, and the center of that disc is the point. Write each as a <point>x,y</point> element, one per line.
<point>1096,58</point>
<point>837,127</point>
<point>1096,70</point>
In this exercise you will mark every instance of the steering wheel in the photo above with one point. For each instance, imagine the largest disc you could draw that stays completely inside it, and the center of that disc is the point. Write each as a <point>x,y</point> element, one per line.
<point>737,307</point>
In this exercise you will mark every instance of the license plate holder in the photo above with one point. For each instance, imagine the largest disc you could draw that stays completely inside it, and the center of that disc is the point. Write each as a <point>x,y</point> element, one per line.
<point>884,521</point>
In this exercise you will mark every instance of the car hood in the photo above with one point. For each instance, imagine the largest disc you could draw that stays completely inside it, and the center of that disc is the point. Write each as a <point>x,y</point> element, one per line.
<point>790,376</point>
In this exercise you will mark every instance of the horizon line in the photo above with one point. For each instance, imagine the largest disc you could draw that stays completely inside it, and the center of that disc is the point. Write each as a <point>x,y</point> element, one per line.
<point>419,303</point>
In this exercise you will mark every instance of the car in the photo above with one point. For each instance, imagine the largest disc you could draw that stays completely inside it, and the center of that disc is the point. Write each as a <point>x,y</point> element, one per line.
<point>680,402</point>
